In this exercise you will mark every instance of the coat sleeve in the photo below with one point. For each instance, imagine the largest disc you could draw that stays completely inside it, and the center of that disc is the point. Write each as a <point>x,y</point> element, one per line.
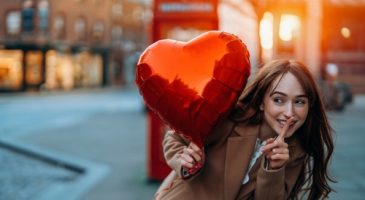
<point>173,146</point>
<point>278,184</point>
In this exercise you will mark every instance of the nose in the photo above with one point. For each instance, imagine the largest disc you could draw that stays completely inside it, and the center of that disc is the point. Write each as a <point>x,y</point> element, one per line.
<point>289,111</point>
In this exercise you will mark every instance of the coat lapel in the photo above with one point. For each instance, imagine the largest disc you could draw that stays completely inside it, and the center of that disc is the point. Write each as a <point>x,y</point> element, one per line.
<point>238,154</point>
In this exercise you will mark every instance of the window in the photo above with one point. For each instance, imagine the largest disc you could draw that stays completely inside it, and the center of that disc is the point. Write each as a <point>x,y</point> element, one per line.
<point>289,29</point>
<point>137,14</point>
<point>43,13</point>
<point>28,16</point>
<point>13,23</point>
<point>98,30</point>
<point>117,10</point>
<point>80,28</point>
<point>59,26</point>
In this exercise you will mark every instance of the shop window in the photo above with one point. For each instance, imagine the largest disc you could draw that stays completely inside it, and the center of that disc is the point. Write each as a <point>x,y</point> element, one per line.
<point>184,33</point>
<point>33,65</point>
<point>13,23</point>
<point>28,16</point>
<point>11,73</point>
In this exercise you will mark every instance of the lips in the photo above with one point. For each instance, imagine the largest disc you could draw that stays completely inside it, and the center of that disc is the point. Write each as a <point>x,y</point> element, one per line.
<point>282,123</point>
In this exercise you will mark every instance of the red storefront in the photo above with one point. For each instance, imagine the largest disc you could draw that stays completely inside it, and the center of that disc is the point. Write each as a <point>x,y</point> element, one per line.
<point>181,20</point>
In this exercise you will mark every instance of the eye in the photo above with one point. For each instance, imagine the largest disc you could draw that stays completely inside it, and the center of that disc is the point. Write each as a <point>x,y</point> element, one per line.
<point>278,100</point>
<point>301,101</point>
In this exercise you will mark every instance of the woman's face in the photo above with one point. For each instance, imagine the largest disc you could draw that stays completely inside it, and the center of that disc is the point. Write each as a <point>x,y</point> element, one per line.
<point>288,99</point>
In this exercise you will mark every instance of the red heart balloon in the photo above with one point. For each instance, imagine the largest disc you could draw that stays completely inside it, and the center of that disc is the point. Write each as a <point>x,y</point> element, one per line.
<point>193,85</point>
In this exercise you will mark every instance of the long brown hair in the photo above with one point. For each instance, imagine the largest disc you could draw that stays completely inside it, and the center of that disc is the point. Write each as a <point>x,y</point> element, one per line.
<point>315,135</point>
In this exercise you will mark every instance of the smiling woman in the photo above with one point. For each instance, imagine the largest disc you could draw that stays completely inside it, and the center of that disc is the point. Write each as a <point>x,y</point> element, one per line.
<point>286,100</point>
<point>276,144</point>
<point>283,90</point>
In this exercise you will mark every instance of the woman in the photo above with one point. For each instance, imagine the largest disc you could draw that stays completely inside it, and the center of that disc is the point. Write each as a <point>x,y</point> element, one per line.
<point>275,144</point>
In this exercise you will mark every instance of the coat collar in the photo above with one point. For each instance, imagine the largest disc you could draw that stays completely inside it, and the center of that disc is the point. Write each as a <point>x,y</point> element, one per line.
<point>240,146</point>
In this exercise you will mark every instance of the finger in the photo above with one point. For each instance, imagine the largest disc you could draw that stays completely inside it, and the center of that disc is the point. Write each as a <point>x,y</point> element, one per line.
<point>283,157</point>
<point>196,156</point>
<point>187,158</point>
<point>195,147</point>
<point>281,148</point>
<point>270,146</point>
<point>268,154</point>
<point>280,151</point>
<point>276,165</point>
<point>186,164</point>
<point>270,140</point>
<point>285,129</point>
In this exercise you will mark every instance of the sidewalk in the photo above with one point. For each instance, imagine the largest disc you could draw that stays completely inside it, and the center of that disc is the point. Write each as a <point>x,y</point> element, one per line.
<point>111,136</point>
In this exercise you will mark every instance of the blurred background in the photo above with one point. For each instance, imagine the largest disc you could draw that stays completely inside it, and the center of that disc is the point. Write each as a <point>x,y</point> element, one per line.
<point>73,125</point>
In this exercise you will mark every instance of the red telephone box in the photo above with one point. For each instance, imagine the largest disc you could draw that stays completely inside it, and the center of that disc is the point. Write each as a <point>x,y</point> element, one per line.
<point>180,20</point>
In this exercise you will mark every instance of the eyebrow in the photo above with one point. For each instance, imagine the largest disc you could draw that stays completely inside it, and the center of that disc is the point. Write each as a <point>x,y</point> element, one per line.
<point>283,94</point>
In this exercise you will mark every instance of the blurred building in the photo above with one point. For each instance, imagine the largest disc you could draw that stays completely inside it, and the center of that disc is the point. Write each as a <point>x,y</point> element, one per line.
<point>66,44</point>
<point>97,42</point>
<point>325,34</point>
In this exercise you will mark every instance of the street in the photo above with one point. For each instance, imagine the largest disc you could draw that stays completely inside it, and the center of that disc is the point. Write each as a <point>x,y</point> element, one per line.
<point>97,141</point>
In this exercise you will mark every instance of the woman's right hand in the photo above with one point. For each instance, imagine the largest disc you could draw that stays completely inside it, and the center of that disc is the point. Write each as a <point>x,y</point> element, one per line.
<point>191,160</point>
<point>191,156</point>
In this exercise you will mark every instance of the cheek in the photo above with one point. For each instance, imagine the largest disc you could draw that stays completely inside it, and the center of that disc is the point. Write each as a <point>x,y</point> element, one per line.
<point>303,113</point>
<point>271,113</point>
<point>272,110</point>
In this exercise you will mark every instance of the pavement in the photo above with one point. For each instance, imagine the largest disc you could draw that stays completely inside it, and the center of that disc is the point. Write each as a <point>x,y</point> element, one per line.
<point>348,163</point>
<point>100,132</point>
<point>90,144</point>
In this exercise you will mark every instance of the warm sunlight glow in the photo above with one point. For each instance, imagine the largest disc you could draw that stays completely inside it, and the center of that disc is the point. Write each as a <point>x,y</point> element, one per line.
<point>346,33</point>
<point>289,24</point>
<point>266,31</point>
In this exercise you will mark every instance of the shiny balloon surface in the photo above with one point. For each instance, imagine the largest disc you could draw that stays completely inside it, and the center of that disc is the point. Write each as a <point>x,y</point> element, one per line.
<point>193,85</point>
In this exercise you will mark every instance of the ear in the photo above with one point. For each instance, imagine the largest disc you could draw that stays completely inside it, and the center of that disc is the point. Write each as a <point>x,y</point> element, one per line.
<point>262,107</point>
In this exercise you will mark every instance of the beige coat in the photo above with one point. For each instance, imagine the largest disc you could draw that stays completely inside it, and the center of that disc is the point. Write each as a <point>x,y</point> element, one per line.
<point>227,155</point>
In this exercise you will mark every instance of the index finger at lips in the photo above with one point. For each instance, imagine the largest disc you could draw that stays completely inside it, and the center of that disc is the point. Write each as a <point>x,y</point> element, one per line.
<point>285,129</point>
